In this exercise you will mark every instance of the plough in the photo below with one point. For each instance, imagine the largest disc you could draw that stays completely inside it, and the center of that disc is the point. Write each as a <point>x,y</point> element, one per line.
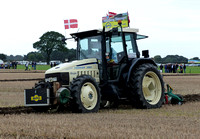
<point>171,98</point>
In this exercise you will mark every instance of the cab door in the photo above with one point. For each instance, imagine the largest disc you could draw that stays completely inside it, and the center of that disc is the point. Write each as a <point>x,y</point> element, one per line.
<point>115,53</point>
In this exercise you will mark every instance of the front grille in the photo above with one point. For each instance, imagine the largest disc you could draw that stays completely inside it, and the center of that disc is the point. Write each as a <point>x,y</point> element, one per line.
<point>63,77</point>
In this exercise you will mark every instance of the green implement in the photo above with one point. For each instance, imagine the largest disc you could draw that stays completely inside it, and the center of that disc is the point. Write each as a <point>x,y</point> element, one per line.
<point>173,98</point>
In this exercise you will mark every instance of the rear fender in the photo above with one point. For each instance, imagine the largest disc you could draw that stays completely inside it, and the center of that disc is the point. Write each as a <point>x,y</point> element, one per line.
<point>136,63</point>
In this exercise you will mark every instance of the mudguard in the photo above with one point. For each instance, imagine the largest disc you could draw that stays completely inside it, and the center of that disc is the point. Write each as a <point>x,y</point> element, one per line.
<point>136,63</point>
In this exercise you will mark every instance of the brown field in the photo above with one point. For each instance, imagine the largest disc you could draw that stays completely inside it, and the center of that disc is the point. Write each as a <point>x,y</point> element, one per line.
<point>178,121</point>
<point>184,84</point>
<point>7,76</point>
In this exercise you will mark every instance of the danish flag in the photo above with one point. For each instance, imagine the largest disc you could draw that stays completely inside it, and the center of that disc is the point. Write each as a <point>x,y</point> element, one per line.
<point>71,23</point>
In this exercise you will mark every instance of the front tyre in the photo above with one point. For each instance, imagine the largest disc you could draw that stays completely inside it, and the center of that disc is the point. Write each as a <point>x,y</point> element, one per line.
<point>86,95</point>
<point>147,87</point>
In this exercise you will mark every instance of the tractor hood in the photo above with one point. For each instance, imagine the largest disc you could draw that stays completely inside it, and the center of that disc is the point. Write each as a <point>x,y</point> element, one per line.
<point>72,66</point>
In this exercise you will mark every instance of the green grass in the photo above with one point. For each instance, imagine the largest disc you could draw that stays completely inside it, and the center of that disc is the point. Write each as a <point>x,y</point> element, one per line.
<point>38,67</point>
<point>192,69</point>
<point>46,67</point>
<point>189,69</point>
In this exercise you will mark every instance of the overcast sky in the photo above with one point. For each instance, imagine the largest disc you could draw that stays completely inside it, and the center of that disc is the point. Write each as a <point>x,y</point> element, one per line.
<point>173,26</point>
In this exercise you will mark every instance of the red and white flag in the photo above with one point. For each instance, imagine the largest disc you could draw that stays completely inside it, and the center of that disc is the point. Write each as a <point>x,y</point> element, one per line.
<point>111,14</point>
<point>71,23</point>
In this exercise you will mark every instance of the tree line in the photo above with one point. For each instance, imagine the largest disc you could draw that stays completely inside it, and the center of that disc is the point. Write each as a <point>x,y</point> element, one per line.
<point>52,46</point>
<point>39,56</point>
<point>172,59</point>
<point>70,54</point>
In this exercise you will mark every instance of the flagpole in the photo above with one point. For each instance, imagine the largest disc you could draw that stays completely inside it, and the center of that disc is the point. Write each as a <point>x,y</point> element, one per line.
<point>64,28</point>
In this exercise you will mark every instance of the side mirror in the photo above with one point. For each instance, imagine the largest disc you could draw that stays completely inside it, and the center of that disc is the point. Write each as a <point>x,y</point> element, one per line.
<point>63,39</point>
<point>145,53</point>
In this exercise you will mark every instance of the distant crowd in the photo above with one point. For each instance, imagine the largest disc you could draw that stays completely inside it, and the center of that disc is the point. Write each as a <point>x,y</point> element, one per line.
<point>53,64</point>
<point>9,65</point>
<point>173,68</point>
<point>13,65</point>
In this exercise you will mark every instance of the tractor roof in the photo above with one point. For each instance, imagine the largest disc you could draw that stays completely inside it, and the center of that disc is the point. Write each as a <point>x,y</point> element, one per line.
<point>99,31</point>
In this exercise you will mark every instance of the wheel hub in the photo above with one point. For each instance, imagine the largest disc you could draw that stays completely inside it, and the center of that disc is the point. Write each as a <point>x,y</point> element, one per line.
<point>151,87</point>
<point>88,96</point>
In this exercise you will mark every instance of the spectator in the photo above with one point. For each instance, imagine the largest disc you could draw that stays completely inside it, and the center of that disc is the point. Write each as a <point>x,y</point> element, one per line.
<point>54,64</point>
<point>161,68</point>
<point>34,66</point>
<point>51,64</point>
<point>174,68</point>
<point>169,68</point>
<point>15,64</point>
<point>26,65</point>
<point>184,68</point>
<point>8,64</point>
<point>181,68</point>
<point>165,68</point>
<point>177,67</point>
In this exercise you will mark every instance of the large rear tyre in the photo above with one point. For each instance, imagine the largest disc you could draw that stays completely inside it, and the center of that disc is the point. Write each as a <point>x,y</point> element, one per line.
<point>147,87</point>
<point>86,95</point>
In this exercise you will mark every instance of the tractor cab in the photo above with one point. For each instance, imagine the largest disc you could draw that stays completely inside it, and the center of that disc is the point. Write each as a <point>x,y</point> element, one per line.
<point>111,47</point>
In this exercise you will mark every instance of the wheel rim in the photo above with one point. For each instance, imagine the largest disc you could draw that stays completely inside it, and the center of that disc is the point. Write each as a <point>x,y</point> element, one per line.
<point>89,96</point>
<point>151,87</point>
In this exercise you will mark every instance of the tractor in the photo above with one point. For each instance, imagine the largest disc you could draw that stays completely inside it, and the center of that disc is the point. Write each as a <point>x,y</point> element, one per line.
<point>108,69</point>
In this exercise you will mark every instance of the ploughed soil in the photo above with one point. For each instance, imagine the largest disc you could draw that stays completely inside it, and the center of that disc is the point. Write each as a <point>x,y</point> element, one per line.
<point>170,121</point>
<point>13,83</point>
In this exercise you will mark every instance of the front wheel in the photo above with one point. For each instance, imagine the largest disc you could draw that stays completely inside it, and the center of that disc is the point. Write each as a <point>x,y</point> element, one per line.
<point>86,95</point>
<point>147,87</point>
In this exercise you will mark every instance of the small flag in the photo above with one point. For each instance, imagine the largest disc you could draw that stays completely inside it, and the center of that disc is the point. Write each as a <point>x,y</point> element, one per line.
<point>71,23</point>
<point>128,17</point>
<point>111,14</point>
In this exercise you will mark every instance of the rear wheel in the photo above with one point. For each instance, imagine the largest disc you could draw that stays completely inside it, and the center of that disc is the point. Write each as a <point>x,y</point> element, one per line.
<point>86,95</point>
<point>147,87</point>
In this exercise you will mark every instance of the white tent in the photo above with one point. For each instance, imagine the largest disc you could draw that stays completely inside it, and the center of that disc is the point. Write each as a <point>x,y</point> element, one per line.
<point>1,61</point>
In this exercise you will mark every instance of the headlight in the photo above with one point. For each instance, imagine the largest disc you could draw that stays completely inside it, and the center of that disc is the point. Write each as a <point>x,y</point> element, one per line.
<point>51,79</point>
<point>63,78</point>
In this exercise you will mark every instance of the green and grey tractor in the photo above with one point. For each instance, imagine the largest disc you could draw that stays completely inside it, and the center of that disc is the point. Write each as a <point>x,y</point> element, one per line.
<point>108,69</point>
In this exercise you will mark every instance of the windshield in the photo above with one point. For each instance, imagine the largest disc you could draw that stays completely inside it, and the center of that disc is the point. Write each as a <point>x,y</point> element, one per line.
<point>90,47</point>
<point>114,47</point>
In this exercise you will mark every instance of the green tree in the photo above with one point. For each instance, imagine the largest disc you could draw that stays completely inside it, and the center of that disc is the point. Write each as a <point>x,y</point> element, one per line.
<point>62,56</point>
<point>19,58</point>
<point>31,57</point>
<point>34,56</point>
<point>72,54</point>
<point>158,59</point>
<point>195,58</point>
<point>39,57</point>
<point>49,42</point>
<point>174,59</point>
<point>3,57</point>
